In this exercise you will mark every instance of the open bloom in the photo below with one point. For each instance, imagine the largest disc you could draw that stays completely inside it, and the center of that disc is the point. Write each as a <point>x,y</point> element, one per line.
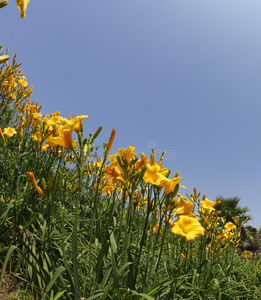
<point>171,183</point>
<point>65,140</point>
<point>155,174</point>
<point>188,227</point>
<point>32,178</point>
<point>9,132</point>
<point>209,205</point>
<point>184,208</point>
<point>230,226</point>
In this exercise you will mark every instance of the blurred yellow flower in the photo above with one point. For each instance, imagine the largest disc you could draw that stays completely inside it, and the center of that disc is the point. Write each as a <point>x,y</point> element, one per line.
<point>23,82</point>
<point>109,187</point>
<point>9,132</point>
<point>45,147</point>
<point>156,228</point>
<point>230,226</point>
<point>209,205</point>
<point>188,227</point>
<point>22,5</point>
<point>247,254</point>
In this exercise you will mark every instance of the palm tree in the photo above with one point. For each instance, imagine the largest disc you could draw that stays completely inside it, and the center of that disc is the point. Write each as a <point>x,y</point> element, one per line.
<point>230,209</point>
<point>251,242</point>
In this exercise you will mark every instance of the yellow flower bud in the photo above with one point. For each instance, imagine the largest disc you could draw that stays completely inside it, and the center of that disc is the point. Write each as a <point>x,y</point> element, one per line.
<point>3,3</point>
<point>4,58</point>
<point>75,189</point>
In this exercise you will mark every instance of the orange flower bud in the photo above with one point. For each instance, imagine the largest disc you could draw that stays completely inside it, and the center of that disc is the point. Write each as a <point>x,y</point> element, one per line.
<point>32,178</point>
<point>111,139</point>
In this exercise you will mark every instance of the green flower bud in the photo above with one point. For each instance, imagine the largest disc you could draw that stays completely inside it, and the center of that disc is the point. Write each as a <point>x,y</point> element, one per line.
<point>50,182</point>
<point>43,184</point>
<point>96,133</point>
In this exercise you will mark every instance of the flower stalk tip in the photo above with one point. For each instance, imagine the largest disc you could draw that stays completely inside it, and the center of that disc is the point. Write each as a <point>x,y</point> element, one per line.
<point>111,139</point>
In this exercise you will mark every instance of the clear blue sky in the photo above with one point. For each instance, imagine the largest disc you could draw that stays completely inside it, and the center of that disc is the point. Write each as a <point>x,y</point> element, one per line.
<point>180,75</point>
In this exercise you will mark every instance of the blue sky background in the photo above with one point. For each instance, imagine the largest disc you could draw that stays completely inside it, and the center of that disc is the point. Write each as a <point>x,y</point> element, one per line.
<point>178,75</point>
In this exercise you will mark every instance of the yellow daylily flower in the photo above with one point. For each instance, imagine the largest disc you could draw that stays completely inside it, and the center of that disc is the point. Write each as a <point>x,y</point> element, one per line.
<point>75,122</point>
<point>230,226</point>
<point>188,227</point>
<point>123,153</point>
<point>22,5</point>
<point>155,174</point>
<point>170,184</point>
<point>184,208</point>
<point>23,82</point>
<point>209,205</point>
<point>9,132</point>
<point>65,140</point>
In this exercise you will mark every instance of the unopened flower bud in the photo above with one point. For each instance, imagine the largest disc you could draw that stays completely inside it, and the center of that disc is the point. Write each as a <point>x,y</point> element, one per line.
<point>75,189</point>
<point>4,58</point>
<point>50,182</point>
<point>74,176</point>
<point>43,184</point>
<point>3,3</point>
<point>85,149</point>
<point>96,133</point>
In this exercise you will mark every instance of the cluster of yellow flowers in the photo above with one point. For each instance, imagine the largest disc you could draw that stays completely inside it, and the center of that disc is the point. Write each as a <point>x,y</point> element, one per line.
<point>13,85</point>
<point>140,180</point>
<point>130,177</point>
